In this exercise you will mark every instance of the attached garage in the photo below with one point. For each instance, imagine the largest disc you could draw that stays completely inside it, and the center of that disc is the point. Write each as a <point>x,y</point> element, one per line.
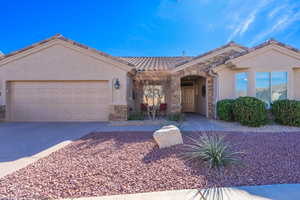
<point>58,101</point>
<point>61,80</point>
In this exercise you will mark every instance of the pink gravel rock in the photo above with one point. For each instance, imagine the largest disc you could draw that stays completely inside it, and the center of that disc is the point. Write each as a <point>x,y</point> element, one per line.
<point>119,163</point>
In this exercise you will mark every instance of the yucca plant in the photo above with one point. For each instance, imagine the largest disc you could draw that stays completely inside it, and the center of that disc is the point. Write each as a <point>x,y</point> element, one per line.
<point>213,150</point>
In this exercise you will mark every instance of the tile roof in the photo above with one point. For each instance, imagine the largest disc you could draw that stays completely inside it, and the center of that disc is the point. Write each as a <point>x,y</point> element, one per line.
<point>60,37</point>
<point>167,63</point>
<point>264,44</point>
<point>163,63</point>
<point>156,63</point>
<point>230,44</point>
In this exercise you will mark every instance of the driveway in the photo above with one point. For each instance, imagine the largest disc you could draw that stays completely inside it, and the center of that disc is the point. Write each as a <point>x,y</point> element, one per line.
<point>24,143</point>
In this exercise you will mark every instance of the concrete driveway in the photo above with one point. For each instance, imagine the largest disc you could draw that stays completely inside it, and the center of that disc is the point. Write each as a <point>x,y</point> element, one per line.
<point>24,143</point>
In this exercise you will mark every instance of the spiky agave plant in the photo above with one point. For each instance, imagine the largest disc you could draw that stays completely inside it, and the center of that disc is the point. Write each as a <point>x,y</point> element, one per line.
<point>213,150</point>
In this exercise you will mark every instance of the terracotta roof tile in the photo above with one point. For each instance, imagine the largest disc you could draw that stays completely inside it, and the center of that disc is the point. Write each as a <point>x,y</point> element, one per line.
<point>156,63</point>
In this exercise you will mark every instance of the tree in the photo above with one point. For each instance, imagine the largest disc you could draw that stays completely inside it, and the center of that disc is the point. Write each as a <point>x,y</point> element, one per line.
<point>152,98</point>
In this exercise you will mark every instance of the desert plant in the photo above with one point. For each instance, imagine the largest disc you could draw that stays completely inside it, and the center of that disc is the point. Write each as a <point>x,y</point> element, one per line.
<point>136,116</point>
<point>178,117</point>
<point>225,109</point>
<point>286,112</point>
<point>250,111</point>
<point>211,149</point>
<point>214,151</point>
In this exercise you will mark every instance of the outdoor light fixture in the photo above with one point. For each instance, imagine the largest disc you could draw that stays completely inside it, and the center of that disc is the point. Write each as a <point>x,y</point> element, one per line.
<point>117,84</point>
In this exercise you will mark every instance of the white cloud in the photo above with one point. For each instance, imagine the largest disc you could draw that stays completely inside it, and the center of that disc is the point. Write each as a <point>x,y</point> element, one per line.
<point>275,11</point>
<point>286,20</point>
<point>242,26</point>
<point>247,23</point>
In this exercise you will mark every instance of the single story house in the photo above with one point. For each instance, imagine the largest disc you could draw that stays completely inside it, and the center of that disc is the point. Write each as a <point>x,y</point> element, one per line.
<point>58,79</point>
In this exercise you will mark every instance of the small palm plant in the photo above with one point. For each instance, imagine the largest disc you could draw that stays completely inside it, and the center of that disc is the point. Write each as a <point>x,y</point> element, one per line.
<point>216,153</point>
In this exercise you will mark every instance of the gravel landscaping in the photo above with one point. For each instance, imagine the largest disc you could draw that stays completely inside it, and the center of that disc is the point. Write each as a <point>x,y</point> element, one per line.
<point>119,163</point>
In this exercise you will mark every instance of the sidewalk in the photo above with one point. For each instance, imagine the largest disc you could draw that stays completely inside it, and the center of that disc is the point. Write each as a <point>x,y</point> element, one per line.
<point>264,192</point>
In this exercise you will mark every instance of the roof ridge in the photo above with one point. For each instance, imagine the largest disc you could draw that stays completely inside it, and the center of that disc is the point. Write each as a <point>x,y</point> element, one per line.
<point>155,56</point>
<point>61,37</point>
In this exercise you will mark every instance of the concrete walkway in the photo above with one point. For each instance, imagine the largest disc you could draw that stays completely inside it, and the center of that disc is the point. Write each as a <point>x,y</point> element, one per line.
<point>265,192</point>
<point>24,143</point>
<point>200,123</point>
<point>196,123</point>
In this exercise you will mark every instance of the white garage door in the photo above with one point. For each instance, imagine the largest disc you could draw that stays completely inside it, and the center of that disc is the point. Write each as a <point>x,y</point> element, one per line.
<point>59,101</point>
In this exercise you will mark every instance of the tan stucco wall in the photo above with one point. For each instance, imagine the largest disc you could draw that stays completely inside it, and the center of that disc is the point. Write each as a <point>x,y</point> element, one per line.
<point>263,61</point>
<point>201,101</point>
<point>297,84</point>
<point>63,61</point>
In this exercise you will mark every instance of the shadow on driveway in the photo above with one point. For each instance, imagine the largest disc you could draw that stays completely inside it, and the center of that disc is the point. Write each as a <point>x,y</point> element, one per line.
<point>19,140</point>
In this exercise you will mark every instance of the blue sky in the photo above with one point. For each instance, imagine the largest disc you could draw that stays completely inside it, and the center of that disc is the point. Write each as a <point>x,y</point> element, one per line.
<point>150,27</point>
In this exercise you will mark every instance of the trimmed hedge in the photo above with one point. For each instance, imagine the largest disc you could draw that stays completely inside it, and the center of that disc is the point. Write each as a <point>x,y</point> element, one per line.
<point>178,117</point>
<point>136,116</point>
<point>225,109</point>
<point>286,112</point>
<point>250,111</point>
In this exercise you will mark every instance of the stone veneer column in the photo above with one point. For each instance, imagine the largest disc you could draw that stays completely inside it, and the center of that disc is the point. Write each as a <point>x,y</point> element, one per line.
<point>175,94</point>
<point>118,113</point>
<point>210,97</point>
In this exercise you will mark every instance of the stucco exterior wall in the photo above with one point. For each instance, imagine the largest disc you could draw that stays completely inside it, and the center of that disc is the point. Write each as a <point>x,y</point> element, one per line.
<point>201,101</point>
<point>297,84</point>
<point>62,61</point>
<point>266,61</point>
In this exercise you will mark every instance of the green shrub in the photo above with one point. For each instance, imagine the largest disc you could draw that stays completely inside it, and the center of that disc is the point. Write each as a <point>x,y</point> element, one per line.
<point>136,116</point>
<point>225,109</point>
<point>250,111</point>
<point>211,149</point>
<point>286,112</point>
<point>176,117</point>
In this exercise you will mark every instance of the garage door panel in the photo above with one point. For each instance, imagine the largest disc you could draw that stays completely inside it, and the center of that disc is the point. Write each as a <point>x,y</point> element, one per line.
<point>59,101</point>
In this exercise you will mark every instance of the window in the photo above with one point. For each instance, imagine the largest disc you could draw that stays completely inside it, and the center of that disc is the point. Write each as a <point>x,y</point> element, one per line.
<point>153,94</point>
<point>241,84</point>
<point>271,86</point>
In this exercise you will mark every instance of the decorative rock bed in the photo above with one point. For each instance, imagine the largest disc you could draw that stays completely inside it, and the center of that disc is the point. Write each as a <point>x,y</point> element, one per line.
<point>123,163</point>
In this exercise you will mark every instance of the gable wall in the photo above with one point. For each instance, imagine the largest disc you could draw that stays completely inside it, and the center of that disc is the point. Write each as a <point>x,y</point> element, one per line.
<point>267,61</point>
<point>64,62</point>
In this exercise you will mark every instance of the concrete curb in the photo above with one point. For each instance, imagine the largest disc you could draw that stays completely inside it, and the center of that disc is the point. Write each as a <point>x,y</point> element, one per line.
<point>263,192</point>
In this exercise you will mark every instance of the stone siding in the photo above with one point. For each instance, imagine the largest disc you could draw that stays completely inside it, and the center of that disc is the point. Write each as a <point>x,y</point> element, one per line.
<point>196,70</point>
<point>172,86</point>
<point>175,98</point>
<point>118,113</point>
<point>210,97</point>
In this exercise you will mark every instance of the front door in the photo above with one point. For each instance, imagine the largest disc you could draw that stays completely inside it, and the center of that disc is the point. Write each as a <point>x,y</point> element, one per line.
<point>188,99</point>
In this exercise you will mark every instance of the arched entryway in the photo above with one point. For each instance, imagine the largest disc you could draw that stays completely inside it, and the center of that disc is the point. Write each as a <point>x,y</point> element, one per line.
<point>193,94</point>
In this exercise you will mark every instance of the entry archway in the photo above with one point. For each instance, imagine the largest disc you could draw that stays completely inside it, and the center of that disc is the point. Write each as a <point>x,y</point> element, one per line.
<point>193,94</point>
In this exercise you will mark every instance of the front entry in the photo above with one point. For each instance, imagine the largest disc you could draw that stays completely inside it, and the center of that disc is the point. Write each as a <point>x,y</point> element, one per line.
<point>188,99</point>
<point>193,95</point>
